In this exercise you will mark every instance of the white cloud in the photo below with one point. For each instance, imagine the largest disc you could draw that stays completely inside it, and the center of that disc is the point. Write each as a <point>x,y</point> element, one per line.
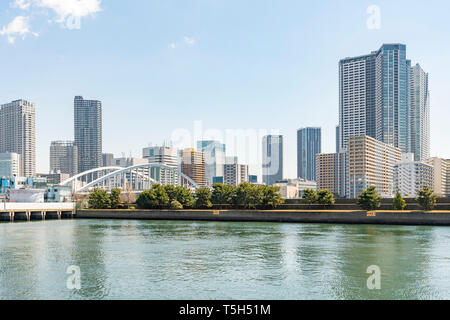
<point>189,41</point>
<point>18,27</point>
<point>21,4</point>
<point>71,8</point>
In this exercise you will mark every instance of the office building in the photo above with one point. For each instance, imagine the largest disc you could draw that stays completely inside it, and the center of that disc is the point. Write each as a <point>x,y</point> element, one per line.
<point>9,165</point>
<point>272,157</point>
<point>371,163</point>
<point>163,155</point>
<point>441,176</point>
<point>107,159</point>
<point>18,134</point>
<point>214,159</point>
<point>253,179</point>
<point>420,114</point>
<point>64,157</point>
<point>193,165</point>
<point>309,143</point>
<point>411,176</point>
<point>235,174</point>
<point>88,133</point>
<point>332,173</point>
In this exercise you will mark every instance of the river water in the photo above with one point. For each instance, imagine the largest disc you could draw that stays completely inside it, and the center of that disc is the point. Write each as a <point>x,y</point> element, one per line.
<point>120,259</point>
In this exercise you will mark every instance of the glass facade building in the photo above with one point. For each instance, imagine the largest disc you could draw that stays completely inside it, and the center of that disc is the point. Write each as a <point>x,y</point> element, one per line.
<point>272,167</point>
<point>309,144</point>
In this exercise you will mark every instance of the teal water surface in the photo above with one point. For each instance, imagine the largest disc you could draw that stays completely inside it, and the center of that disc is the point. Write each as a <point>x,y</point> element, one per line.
<point>218,260</point>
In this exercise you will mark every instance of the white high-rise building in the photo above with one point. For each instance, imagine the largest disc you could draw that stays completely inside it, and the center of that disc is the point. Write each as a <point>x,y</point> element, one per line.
<point>411,176</point>
<point>9,165</point>
<point>164,155</point>
<point>18,134</point>
<point>420,114</point>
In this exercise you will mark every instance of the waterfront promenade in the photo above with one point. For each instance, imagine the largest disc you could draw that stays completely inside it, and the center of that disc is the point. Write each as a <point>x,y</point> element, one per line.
<point>13,211</point>
<point>383,217</point>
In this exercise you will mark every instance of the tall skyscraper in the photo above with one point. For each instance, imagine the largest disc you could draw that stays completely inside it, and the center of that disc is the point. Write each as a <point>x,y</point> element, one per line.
<point>272,166</point>
<point>338,142</point>
<point>167,156</point>
<point>18,134</point>
<point>214,158</point>
<point>309,143</point>
<point>88,133</point>
<point>193,165</point>
<point>375,97</point>
<point>107,159</point>
<point>64,157</point>
<point>420,114</point>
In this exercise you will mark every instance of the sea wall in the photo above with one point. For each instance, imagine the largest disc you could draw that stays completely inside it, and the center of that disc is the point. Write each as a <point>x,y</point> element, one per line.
<point>434,218</point>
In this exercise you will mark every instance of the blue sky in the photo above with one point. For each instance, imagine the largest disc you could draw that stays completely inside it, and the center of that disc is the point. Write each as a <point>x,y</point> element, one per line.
<point>158,66</point>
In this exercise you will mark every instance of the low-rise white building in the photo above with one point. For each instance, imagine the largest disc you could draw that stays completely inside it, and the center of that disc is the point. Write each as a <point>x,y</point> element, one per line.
<point>441,176</point>
<point>9,164</point>
<point>294,188</point>
<point>411,176</point>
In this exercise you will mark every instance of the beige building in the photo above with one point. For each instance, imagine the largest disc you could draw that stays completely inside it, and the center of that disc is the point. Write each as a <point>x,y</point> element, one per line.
<point>371,163</point>
<point>331,173</point>
<point>193,165</point>
<point>441,176</point>
<point>64,157</point>
<point>294,188</point>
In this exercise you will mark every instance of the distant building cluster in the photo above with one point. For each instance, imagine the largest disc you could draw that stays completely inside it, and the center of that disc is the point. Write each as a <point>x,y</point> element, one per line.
<point>382,140</point>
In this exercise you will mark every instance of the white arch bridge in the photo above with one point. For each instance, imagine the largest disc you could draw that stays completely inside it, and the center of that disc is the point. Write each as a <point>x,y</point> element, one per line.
<point>134,178</point>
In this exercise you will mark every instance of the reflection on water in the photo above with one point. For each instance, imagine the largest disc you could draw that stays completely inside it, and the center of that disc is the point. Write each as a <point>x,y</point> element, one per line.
<point>208,260</point>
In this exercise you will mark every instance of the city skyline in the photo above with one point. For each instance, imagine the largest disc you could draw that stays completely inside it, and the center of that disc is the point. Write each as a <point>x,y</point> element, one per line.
<point>300,85</point>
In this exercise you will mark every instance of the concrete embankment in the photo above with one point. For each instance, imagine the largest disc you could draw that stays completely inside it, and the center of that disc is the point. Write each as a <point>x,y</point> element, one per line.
<point>433,218</point>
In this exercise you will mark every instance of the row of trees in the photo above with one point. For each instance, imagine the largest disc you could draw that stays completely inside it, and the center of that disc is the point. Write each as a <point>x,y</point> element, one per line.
<point>324,197</point>
<point>246,196</point>
<point>370,200</point>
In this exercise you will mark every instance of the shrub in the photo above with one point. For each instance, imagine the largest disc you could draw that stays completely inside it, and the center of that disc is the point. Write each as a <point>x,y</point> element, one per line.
<point>399,203</point>
<point>223,194</point>
<point>369,199</point>
<point>310,196</point>
<point>99,199</point>
<point>271,197</point>
<point>175,205</point>
<point>203,198</point>
<point>426,198</point>
<point>325,197</point>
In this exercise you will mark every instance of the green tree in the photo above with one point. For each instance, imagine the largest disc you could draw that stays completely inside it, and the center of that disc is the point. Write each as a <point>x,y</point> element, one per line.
<point>171,191</point>
<point>155,198</point>
<point>184,196</point>
<point>325,197</point>
<point>203,198</point>
<point>271,197</point>
<point>248,196</point>
<point>369,199</point>
<point>426,198</point>
<point>115,199</point>
<point>310,196</point>
<point>99,199</point>
<point>399,203</point>
<point>223,194</point>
